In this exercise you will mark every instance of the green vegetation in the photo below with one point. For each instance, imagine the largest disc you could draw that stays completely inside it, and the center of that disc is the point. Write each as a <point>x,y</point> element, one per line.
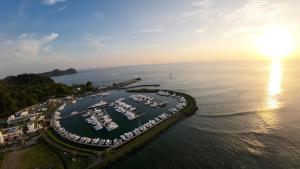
<point>50,138</point>
<point>70,160</point>
<point>37,156</point>
<point>18,92</point>
<point>74,161</point>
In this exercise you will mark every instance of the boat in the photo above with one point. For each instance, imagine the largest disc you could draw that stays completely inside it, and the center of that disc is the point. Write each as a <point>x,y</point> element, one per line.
<point>154,104</point>
<point>125,109</point>
<point>162,104</point>
<point>61,107</point>
<point>74,113</point>
<point>105,94</point>
<point>98,105</point>
<point>111,126</point>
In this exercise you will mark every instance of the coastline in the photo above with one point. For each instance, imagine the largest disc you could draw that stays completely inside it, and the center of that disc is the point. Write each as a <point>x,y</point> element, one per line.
<point>109,156</point>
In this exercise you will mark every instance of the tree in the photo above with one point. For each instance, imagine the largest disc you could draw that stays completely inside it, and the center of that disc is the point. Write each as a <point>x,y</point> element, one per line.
<point>89,86</point>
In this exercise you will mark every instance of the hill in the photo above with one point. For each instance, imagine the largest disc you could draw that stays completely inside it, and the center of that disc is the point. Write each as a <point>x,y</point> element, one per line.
<point>18,92</point>
<point>57,72</point>
<point>21,91</point>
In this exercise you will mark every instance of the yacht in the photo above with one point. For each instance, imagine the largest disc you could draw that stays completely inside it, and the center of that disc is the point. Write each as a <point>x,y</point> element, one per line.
<point>162,104</point>
<point>74,113</point>
<point>98,105</point>
<point>87,114</point>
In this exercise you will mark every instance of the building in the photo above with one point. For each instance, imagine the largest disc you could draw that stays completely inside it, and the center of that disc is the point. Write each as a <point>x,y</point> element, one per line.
<point>31,128</point>
<point>12,134</point>
<point>24,114</point>
<point>13,119</point>
<point>1,139</point>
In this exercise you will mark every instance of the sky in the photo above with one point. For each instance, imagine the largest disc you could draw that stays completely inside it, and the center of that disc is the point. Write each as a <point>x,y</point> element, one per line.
<point>40,35</point>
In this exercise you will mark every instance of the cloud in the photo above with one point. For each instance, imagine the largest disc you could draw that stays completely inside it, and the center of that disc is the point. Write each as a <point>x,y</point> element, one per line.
<point>202,9</point>
<point>26,46</point>
<point>242,30</point>
<point>191,13</point>
<point>255,10</point>
<point>202,3</point>
<point>23,7</point>
<point>149,30</point>
<point>96,42</point>
<point>52,2</point>
<point>199,31</point>
<point>62,8</point>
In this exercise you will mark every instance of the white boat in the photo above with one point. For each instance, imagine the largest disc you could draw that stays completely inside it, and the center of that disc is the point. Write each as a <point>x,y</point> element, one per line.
<point>98,127</point>
<point>162,104</point>
<point>61,107</point>
<point>98,105</point>
<point>111,126</point>
<point>95,141</point>
<point>74,113</point>
<point>154,104</point>
<point>86,114</point>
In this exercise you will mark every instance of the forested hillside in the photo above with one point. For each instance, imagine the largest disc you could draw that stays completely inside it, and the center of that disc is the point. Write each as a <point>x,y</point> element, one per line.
<point>17,92</point>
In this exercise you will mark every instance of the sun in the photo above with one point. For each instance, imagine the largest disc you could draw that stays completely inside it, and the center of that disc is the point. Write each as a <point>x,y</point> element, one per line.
<point>275,42</point>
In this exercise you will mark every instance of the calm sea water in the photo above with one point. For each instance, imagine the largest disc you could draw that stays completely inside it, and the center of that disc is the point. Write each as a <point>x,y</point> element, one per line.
<point>248,117</point>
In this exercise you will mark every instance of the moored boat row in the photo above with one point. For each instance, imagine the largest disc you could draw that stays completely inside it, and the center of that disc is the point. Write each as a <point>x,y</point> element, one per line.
<point>125,109</point>
<point>99,119</point>
<point>147,100</point>
<point>125,137</point>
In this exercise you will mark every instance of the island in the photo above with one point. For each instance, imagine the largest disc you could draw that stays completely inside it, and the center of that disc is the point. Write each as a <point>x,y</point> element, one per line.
<point>84,126</point>
<point>57,72</point>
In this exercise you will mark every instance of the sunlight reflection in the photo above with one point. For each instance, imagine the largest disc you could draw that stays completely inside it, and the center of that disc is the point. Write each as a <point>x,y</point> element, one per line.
<point>269,115</point>
<point>275,78</point>
<point>274,84</point>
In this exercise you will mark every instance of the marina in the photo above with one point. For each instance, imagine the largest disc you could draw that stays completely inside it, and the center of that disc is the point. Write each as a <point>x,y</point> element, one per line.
<point>115,120</point>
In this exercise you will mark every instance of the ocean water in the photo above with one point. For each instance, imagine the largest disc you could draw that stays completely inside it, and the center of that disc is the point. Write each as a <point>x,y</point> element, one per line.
<point>248,117</point>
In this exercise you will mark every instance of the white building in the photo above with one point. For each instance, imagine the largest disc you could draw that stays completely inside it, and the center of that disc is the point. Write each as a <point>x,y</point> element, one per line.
<point>24,114</point>
<point>1,138</point>
<point>10,118</point>
<point>13,119</point>
<point>31,128</point>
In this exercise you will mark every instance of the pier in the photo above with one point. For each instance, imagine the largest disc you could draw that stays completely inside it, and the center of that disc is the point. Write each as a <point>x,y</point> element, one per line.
<point>79,113</point>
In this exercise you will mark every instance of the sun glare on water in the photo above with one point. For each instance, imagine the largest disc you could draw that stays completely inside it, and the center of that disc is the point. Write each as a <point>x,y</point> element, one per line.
<point>275,42</point>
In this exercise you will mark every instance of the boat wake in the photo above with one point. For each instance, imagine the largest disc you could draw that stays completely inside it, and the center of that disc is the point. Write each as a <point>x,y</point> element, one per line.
<point>232,114</point>
<point>227,114</point>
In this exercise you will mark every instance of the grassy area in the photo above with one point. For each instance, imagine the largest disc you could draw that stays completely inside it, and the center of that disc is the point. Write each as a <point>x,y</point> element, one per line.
<point>70,160</point>
<point>67,147</point>
<point>37,156</point>
<point>74,161</point>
